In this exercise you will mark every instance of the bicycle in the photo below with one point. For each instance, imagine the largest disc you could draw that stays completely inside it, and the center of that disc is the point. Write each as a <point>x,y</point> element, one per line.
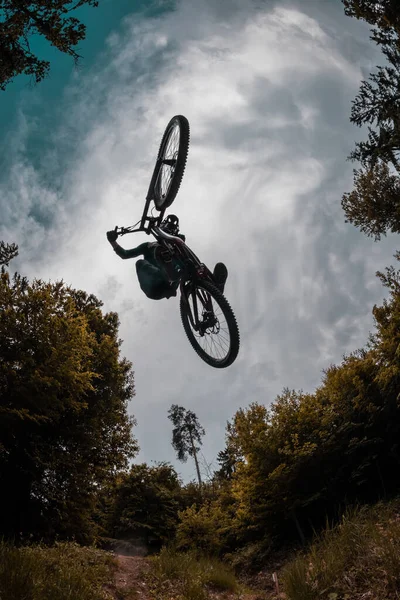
<point>199,294</point>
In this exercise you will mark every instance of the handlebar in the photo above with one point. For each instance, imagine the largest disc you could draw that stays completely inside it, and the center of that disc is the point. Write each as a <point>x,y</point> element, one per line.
<point>124,230</point>
<point>152,229</point>
<point>146,223</point>
<point>132,229</point>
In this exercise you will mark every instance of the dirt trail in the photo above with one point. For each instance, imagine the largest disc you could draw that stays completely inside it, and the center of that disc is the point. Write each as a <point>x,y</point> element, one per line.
<point>130,583</point>
<point>128,578</point>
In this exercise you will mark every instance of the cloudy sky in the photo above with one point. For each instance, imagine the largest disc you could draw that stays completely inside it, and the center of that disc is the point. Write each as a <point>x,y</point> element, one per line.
<point>267,89</point>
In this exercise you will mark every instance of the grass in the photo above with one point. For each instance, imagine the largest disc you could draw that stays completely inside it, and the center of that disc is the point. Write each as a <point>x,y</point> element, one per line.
<point>65,571</point>
<point>185,575</point>
<point>358,558</point>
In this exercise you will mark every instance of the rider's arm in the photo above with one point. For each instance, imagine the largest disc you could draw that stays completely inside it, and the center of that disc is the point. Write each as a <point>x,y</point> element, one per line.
<point>132,253</point>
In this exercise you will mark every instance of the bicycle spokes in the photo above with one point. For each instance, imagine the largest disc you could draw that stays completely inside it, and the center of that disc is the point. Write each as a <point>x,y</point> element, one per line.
<point>210,326</point>
<point>168,162</point>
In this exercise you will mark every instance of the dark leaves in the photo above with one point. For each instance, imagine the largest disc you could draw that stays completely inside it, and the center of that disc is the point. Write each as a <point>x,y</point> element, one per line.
<point>22,19</point>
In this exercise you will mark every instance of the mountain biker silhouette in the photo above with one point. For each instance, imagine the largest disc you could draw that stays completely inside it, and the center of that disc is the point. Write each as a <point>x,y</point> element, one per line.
<point>159,273</point>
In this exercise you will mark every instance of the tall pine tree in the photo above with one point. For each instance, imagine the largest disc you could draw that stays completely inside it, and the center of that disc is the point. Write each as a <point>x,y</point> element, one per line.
<point>186,435</point>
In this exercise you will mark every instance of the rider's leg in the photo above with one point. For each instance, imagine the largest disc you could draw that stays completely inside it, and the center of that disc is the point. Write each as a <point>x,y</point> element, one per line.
<point>151,280</point>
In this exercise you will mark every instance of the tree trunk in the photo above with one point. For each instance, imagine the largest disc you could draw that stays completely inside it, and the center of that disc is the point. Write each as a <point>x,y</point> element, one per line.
<point>299,529</point>
<point>195,458</point>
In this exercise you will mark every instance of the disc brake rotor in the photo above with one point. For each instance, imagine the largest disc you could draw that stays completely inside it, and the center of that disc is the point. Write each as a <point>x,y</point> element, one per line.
<point>210,322</point>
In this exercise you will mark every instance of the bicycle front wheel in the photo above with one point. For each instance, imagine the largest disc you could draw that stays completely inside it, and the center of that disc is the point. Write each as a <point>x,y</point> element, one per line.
<point>171,162</point>
<point>210,325</point>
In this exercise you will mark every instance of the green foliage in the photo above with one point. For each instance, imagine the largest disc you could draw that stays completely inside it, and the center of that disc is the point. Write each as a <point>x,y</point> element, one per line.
<point>20,20</point>
<point>7,253</point>
<point>253,557</point>
<point>383,14</point>
<point>189,576</point>
<point>360,555</point>
<point>374,203</point>
<point>65,572</point>
<point>64,389</point>
<point>205,529</point>
<point>227,461</point>
<point>308,455</point>
<point>192,495</point>
<point>279,446</point>
<point>145,505</point>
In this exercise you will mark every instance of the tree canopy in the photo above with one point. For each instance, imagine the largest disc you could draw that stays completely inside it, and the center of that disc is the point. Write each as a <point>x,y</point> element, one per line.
<point>373,204</point>
<point>144,505</point>
<point>20,20</point>
<point>383,14</point>
<point>64,389</point>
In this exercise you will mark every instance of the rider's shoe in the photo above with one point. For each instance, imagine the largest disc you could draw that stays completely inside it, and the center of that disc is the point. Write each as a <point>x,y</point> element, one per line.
<point>171,293</point>
<point>220,276</point>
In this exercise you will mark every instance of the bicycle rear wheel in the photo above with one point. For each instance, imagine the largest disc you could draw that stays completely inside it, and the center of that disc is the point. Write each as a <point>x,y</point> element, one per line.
<point>217,341</point>
<point>171,162</point>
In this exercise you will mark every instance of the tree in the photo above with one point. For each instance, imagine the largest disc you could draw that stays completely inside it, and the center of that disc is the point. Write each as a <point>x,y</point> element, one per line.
<point>146,504</point>
<point>385,347</point>
<point>64,389</point>
<point>384,14</point>
<point>378,104</point>
<point>7,253</point>
<point>205,529</point>
<point>186,434</point>
<point>227,461</point>
<point>378,100</point>
<point>374,203</point>
<point>50,18</point>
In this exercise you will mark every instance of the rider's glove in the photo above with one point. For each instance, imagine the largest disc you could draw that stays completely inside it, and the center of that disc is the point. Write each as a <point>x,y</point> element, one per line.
<point>112,236</point>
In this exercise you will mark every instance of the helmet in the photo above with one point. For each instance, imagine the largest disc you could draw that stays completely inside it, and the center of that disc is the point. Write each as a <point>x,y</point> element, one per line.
<point>171,224</point>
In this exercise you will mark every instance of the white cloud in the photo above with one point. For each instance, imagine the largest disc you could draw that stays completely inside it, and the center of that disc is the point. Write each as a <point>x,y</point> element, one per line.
<point>264,93</point>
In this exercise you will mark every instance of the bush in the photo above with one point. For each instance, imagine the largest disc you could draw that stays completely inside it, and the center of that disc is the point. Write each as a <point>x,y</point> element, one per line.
<point>251,557</point>
<point>63,572</point>
<point>189,575</point>
<point>205,529</point>
<point>360,555</point>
